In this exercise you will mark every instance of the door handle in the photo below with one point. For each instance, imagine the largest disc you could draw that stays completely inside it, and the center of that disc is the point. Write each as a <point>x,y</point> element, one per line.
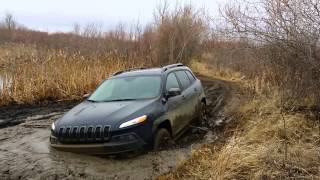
<point>183,97</point>
<point>195,89</point>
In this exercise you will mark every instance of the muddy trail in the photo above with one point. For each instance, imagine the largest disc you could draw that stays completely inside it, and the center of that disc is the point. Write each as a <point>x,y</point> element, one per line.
<point>16,114</point>
<point>25,152</point>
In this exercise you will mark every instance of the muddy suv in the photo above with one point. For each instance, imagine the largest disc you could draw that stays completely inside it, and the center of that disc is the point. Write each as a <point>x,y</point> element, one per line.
<point>133,109</point>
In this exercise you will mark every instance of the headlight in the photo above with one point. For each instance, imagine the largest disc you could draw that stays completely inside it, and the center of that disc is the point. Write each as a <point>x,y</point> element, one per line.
<point>134,121</point>
<point>53,126</point>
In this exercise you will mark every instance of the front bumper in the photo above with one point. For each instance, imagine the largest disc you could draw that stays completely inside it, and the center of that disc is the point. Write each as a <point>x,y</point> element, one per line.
<point>112,147</point>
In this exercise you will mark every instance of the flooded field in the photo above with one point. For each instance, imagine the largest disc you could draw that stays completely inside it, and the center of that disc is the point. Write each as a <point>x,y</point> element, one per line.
<point>25,152</point>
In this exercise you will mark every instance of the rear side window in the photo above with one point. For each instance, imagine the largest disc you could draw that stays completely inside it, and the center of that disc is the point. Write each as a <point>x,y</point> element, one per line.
<point>172,82</point>
<point>184,80</point>
<point>191,77</point>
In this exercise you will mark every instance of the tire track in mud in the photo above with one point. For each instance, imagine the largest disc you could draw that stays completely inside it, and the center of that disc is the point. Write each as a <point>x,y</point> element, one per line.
<point>25,151</point>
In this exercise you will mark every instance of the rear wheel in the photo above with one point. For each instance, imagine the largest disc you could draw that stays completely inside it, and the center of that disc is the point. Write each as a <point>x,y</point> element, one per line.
<point>162,140</point>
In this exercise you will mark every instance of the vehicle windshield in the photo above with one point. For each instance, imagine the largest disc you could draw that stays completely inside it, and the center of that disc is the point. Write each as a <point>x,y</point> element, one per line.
<point>127,88</point>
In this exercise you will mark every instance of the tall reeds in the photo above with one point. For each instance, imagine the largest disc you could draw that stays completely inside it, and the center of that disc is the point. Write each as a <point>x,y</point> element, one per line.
<point>55,75</point>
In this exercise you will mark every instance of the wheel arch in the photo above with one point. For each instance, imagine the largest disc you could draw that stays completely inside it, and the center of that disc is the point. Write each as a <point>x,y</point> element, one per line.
<point>203,100</point>
<point>165,123</point>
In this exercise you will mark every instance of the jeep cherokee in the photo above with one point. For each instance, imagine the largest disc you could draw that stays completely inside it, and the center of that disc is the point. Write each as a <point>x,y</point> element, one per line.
<point>133,109</point>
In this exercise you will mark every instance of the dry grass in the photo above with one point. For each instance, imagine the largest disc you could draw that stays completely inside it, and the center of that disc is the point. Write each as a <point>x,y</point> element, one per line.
<point>253,146</point>
<point>40,75</point>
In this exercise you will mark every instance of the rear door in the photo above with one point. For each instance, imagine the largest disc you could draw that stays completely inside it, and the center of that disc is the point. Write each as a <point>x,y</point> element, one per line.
<point>175,105</point>
<point>188,96</point>
<point>195,90</point>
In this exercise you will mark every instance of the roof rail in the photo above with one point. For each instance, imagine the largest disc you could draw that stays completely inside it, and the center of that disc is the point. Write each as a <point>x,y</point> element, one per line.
<point>171,66</point>
<point>127,70</point>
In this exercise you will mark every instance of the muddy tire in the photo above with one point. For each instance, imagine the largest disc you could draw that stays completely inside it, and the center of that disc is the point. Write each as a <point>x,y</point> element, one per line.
<point>203,112</point>
<point>162,140</point>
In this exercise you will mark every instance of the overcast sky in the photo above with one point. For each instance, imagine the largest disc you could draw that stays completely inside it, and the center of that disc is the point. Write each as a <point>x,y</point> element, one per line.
<point>61,15</point>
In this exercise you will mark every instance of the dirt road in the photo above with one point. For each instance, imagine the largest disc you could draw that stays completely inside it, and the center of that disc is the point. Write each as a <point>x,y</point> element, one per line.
<point>25,151</point>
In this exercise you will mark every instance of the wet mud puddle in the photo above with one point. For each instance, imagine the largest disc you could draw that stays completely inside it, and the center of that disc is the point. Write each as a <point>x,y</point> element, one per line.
<point>25,153</point>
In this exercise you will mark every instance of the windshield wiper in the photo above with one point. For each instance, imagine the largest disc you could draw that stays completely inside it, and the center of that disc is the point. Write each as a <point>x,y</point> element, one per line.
<point>120,100</point>
<point>91,100</point>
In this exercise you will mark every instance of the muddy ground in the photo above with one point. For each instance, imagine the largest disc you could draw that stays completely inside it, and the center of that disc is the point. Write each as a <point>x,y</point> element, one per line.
<point>25,152</point>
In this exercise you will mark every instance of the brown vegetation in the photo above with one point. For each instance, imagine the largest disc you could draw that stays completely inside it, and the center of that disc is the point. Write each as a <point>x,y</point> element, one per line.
<point>270,48</point>
<point>64,66</point>
<point>253,145</point>
<point>53,74</point>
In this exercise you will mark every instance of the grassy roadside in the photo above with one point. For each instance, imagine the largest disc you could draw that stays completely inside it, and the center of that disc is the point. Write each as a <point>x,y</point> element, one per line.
<point>260,143</point>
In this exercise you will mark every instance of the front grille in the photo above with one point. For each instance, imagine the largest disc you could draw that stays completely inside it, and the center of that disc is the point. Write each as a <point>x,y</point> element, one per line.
<point>60,134</point>
<point>90,133</point>
<point>97,133</point>
<point>83,134</point>
<point>74,133</point>
<point>67,134</point>
<point>105,132</point>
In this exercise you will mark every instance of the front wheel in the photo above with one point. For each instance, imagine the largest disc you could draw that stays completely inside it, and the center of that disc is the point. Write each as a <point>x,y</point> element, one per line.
<point>162,140</point>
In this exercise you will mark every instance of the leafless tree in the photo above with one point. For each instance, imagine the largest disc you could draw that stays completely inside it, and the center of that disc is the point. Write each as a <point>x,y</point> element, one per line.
<point>9,22</point>
<point>289,30</point>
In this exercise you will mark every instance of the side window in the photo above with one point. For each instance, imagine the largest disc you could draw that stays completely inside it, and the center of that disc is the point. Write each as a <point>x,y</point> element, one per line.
<point>172,82</point>
<point>191,77</point>
<point>183,77</point>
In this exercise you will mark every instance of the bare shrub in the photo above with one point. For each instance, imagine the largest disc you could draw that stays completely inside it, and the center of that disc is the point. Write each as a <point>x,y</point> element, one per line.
<point>288,34</point>
<point>179,33</point>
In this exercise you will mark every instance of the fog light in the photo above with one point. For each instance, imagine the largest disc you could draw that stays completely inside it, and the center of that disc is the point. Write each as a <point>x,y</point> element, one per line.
<point>125,137</point>
<point>53,140</point>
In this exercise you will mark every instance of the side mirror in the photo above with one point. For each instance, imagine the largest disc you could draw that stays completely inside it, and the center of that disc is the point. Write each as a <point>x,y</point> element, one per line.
<point>173,92</point>
<point>86,96</point>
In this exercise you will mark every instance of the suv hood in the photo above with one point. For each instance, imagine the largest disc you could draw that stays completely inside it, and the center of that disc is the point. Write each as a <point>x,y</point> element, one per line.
<point>104,113</point>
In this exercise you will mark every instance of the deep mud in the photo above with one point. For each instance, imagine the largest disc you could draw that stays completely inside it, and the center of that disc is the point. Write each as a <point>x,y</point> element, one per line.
<point>25,152</point>
<point>16,114</point>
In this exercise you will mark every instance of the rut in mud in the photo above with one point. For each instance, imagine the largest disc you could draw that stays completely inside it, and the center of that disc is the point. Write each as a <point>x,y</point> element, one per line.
<point>25,151</point>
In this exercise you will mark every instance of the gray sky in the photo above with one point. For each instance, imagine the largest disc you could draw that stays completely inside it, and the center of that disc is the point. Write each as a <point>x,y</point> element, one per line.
<point>61,15</point>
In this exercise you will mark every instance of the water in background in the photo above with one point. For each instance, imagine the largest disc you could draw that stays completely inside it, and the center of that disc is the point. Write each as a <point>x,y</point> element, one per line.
<point>5,80</point>
<point>1,82</point>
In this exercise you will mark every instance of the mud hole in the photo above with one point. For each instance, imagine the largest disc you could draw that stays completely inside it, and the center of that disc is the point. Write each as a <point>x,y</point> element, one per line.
<point>25,151</point>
